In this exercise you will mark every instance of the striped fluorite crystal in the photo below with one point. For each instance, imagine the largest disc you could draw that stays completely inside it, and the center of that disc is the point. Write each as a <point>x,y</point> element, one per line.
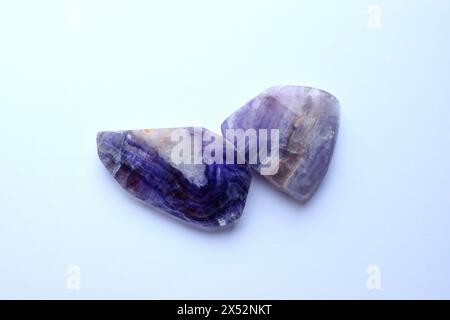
<point>307,120</point>
<point>204,194</point>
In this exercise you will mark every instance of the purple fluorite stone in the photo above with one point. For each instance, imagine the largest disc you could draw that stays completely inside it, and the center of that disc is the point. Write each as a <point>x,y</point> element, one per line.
<point>206,195</point>
<point>308,122</point>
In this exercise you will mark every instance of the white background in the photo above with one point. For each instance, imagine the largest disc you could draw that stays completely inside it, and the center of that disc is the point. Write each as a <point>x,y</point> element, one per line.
<point>71,68</point>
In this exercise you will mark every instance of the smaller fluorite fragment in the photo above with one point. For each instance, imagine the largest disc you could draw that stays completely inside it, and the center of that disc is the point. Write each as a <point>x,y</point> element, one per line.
<point>307,122</point>
<point>204,194</point>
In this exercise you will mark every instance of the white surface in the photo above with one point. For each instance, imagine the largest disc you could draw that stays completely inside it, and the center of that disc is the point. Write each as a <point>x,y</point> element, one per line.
<point>69,69</point>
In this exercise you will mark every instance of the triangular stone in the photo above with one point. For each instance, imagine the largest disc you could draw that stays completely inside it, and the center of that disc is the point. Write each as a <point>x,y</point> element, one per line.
<point>307,121</point>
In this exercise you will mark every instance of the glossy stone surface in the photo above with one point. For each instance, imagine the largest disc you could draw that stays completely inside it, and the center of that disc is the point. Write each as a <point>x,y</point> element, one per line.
<point>205,195</point>
<point>308,122</point>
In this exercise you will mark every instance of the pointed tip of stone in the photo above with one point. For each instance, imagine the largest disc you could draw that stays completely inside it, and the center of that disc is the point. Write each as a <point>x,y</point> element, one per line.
<point>109,144</point>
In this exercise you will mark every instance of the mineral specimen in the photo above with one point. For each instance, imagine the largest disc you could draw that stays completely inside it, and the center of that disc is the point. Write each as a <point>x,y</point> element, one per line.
<point>164,171</point>
<point>306,121</point>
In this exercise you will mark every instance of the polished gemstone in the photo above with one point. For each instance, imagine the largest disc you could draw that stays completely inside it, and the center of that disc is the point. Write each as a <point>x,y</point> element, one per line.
<point>164,171</point>
<point>306,121</point>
